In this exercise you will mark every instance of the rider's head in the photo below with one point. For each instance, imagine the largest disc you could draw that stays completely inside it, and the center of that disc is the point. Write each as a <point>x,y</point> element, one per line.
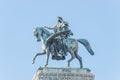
<point>60,19</point>
<point>66,23</point>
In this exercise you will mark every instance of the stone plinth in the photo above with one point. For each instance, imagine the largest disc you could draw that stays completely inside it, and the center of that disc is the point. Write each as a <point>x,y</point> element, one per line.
<point>50,73</point>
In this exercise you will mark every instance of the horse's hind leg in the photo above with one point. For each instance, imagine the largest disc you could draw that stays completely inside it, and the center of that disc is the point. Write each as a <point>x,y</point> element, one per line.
<point>72,57</point>
<point>80,60</point>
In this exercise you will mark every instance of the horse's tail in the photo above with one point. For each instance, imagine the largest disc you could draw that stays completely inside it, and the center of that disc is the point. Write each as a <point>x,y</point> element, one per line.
<point>87,45</point>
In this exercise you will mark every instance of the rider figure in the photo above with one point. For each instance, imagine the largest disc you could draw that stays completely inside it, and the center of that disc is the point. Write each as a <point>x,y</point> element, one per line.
<point>61,26</point>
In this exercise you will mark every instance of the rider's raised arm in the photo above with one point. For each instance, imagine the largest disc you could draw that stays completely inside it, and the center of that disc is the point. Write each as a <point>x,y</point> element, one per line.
<point>49,27</point>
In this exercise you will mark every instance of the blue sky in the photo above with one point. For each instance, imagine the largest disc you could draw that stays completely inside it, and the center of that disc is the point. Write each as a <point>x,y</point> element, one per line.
<point>98,21</point>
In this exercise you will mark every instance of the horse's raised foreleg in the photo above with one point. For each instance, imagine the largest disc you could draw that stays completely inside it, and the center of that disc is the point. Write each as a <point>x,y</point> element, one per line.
<point>80,60</point>
<point>42,53</point>
<point>72,57</point>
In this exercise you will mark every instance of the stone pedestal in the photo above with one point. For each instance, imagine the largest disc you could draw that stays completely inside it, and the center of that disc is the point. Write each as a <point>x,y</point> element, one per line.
<point>50,73</point>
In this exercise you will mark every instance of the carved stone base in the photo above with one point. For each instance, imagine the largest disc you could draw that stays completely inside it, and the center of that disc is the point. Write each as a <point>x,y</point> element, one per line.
<point>50,73</point>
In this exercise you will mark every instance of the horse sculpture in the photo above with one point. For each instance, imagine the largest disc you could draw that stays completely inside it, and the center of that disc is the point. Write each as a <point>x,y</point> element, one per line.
<point>71,45</point>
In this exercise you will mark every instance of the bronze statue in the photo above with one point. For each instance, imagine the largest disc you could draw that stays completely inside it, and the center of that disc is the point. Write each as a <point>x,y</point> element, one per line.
<point>58,44</point>
<point>60,26</point>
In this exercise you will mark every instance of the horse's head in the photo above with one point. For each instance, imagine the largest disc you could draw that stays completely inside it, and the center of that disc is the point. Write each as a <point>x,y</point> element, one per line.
<point>40,32</point>
<point>37,33</point>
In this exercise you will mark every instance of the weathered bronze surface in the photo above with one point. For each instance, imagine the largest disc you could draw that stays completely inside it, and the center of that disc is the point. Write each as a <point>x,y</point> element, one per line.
<point>59,43</point>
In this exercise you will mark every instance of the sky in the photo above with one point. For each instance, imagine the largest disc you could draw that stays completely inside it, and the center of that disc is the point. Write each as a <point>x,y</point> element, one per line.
<point>98,21</point>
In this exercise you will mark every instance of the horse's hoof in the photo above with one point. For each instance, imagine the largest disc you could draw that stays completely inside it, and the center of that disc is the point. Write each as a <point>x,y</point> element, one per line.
<point>81,66</point>
<point>33,62</point>
<point>68,65</point>
<point>45,65</point>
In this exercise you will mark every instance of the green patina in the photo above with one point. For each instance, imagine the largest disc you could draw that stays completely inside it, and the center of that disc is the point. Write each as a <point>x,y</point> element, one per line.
<point>65,68</point>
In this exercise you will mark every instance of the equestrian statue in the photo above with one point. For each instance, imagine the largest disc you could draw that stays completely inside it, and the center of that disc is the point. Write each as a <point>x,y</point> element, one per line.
<point>59,43</point>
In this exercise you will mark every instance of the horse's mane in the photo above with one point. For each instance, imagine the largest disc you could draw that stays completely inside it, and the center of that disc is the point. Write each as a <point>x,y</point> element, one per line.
<point>45,31</point>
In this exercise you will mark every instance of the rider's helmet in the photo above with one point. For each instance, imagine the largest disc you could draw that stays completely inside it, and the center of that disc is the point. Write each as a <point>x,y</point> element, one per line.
<point>60,19</point>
